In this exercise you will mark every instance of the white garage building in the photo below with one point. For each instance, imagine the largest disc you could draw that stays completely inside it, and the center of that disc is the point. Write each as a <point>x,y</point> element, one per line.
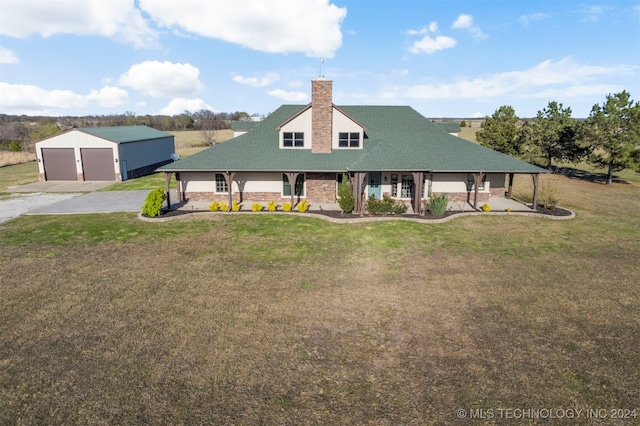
<point>103,153</point>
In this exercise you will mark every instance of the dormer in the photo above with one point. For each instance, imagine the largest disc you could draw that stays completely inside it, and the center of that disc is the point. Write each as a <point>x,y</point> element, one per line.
<point>321,126</point>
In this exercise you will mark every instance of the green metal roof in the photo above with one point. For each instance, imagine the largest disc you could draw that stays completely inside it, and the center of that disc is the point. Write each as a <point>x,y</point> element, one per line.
<point>397,138</point>
<point>244,126</point>
<point>125,134</point>
<point>449,126</point>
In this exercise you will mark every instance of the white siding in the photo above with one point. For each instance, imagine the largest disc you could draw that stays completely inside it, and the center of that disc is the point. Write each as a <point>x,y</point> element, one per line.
<point>342,123</point>
<point>301,123</point>
<point>247,182</point>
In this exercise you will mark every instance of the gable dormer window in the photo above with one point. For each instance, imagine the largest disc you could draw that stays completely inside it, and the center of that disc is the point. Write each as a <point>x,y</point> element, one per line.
<point>349,140</point>
<point>293,139</point>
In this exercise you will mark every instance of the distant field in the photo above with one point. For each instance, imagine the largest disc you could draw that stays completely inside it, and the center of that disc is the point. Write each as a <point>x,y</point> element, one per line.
<point>194,139</point>
<point>468,133</point>
<point>8,158</point>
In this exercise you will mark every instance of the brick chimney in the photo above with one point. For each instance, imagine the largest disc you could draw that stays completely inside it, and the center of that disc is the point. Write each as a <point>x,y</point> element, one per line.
<point>322,115</point>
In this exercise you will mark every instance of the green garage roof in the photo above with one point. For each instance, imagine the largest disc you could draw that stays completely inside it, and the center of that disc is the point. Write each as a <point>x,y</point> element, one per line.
<point>125,134</point>
<point>397,138</point>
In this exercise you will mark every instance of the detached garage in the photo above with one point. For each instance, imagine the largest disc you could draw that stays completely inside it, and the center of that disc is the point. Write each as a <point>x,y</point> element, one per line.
<point>104,153</point>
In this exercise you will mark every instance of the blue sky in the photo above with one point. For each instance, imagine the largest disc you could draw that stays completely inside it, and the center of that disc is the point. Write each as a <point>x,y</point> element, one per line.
<point>444,58</point>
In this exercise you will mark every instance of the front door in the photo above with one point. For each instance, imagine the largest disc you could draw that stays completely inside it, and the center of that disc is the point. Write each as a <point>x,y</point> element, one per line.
<point>373,184</point>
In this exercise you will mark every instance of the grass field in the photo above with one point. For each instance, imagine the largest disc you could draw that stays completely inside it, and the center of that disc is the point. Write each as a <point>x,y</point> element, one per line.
<point>105,319</point>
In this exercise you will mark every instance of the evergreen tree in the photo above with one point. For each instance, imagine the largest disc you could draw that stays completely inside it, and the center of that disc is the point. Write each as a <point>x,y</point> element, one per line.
<point>499,132</point>
<point>613,130</point>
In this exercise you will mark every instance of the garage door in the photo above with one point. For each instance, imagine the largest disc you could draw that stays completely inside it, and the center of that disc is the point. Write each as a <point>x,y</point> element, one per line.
<point>98,163</point>
<point>59,164</point>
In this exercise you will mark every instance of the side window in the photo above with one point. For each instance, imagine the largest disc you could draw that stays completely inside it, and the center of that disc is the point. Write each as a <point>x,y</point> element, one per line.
<point>221,183</point>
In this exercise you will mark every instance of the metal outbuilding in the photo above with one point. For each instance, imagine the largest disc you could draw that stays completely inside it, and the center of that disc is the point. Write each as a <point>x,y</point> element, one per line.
<point>103,153</point>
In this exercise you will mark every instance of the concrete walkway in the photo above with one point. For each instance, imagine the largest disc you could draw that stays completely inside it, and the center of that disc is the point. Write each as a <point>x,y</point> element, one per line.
<point>497,204</point>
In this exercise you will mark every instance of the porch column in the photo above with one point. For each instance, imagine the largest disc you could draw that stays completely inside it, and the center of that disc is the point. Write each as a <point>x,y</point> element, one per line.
<point>167,179</point>
<point>228,177</point>
<point>179,188</point>
<point>418,181</point>
<point>477,179</point>
<point>536,184</point>
<point>510,187</point>
<point>292,177</point>
<point>356,181</point>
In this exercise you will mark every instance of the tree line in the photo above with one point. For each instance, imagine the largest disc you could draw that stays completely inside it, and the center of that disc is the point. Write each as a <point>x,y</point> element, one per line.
<point>17,131</point>
<point>608,138</point>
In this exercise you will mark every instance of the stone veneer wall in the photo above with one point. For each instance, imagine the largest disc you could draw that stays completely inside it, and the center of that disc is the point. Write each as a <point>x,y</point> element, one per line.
<point>321,187</point>
<point>321,118</point>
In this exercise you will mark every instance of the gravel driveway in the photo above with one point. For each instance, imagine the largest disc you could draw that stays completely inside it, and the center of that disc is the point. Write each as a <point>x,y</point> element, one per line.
<point>71,203</point>
<point>19,204</point>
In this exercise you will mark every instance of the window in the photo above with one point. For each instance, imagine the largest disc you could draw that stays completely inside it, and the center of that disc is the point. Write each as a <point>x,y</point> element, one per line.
<point>348,140</point>
<point>293,139</point>
<point>286,186</point>
<point>471,186</point>
<point>394,185</point>
<point>406,189</point>
<point>221,183</point>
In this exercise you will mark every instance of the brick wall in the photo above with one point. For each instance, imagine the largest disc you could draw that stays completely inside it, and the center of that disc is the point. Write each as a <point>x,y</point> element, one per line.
<point>321,119</point>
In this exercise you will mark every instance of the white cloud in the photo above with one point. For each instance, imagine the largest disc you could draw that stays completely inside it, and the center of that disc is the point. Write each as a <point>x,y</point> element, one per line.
<point>255,81</point>
<point>431,45</point>
<point>564,78</point>
<point>433,27</point>
<point>179,105</point>
<point>7,56</point>
<point>311,27</point>
<point>526,20</point>
<point>118,19</point>
<point>465,22</point>
<point>591,13</point>
<point>163,79</point>
<point>25,99</point>
<point>288,96</point>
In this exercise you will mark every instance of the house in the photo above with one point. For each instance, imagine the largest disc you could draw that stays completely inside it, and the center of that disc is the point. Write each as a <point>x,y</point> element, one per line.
<point>302,151</point>
<point>103,153</point>
<point>451,127</point>
<point>242,127</point>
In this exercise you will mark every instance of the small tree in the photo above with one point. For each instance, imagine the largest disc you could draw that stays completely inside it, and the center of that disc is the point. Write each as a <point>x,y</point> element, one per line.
<point>499,132</point>
<point>613,130</point>
<point>153,203</point>
<point>345,194</point>
<point>463,123</point>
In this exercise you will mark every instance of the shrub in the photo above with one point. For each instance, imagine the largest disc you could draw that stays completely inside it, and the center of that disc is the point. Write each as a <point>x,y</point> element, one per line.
<point>272,206</point>
<point>153,204</point>
<point>15,146</point>
<point>345,195</point>
<point>508,209</point>
<point>437,205</point>
<point>215,206</point>
<point>485,207</point>
<point>286,207</point>
<point>235,207</point>
<point>385,206</point>
<point>224,207</point>
<point>256,207</point>
<point>463,123</point>
<point>303,206</point>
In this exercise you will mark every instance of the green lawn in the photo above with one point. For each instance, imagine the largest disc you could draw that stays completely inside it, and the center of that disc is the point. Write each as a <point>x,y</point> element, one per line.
<point>18,174</point>
<point>274,319</point>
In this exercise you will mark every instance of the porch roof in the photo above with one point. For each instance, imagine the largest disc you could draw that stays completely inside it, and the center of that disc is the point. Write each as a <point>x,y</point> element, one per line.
<point>397,138</point>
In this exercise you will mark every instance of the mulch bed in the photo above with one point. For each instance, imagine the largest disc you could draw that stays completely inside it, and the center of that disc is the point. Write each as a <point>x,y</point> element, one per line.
<point>340,215</point>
